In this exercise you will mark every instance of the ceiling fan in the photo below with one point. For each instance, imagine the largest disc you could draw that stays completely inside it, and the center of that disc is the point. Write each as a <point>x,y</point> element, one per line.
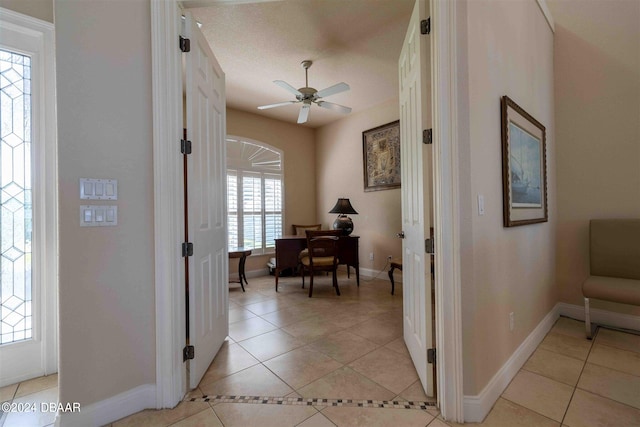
<point>308,95</point>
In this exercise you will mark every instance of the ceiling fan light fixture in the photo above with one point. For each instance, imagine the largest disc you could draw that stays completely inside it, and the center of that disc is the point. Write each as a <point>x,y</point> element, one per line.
<point>304,112</point>
<point>308,95</point>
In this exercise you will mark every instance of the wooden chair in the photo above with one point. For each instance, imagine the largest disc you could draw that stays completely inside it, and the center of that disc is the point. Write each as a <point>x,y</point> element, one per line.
<point>299,230</point>
<point>322,255</point>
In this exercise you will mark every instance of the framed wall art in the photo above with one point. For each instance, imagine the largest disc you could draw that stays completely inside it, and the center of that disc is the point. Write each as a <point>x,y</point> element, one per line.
<point>381,157</point>
<point>524,166</point>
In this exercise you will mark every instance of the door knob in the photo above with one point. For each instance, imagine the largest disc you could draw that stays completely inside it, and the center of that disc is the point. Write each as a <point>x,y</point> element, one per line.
<point>400,234</point>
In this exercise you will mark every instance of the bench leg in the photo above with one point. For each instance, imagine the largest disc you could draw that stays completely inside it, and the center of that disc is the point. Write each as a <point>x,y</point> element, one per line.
<point>393,284</point>
<point>587,319</point>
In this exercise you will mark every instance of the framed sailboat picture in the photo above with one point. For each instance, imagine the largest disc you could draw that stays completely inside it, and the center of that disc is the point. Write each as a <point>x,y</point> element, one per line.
<point>524,166</point>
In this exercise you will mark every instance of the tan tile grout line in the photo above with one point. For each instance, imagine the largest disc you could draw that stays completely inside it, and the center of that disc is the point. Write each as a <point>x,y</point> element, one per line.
<point>575,387</point>
<point>291,303</point>
<point>342,365</point>
<point>397,402</point>
<point>573,392</point>
<point>527,409</point>
<point>607,367</point>
<point>584,364</point>
<point>378,347</point>
<point>610,367</point>
<point>4,415</point>
<point>15,392</point>
<point>295,390</point>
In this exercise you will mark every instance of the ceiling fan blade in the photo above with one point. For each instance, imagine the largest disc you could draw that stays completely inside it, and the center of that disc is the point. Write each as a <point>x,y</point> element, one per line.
<point>288,87</point>
<point>337,88</point>
<point>304,113</point>
<point>335,107</point>
<point>279,104</point>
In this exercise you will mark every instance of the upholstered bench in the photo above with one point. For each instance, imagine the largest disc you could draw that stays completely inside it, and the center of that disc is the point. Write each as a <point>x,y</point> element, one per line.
<point>614,251</point>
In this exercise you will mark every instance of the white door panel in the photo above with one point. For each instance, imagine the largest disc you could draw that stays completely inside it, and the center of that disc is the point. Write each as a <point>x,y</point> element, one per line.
<point>415,115</point>
<point>208,267</point>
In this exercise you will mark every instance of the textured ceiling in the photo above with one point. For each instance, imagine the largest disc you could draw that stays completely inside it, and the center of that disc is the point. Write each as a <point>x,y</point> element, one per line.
<point>353,41</point>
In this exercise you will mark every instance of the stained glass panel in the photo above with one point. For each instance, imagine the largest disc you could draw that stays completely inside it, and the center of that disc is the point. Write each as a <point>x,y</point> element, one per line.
<point>15,197</point>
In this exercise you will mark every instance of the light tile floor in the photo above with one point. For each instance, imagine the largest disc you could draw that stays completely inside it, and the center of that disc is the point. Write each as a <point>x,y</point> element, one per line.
<point>350,347</point>
<point>29,394</point>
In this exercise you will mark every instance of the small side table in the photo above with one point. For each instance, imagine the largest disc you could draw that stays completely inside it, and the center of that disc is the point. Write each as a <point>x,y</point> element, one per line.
<point>242,254</point>
<point>394,264</point>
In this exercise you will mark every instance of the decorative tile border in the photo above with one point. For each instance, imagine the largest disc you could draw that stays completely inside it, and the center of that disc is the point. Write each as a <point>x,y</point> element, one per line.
<point>269,400</point>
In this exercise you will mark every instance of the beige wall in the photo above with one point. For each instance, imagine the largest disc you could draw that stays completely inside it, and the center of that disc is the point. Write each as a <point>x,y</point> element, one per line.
<point>335,153</point>
<point>41,9</point>
<point>597,80</point>
<point>510,52</point>
<point>298,146</point>
<point>107,309</point>
<point>340,174</point>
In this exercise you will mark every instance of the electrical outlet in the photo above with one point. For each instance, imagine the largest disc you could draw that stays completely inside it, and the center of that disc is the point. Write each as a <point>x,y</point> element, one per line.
<point>371,256</point>
<point>512,321</point>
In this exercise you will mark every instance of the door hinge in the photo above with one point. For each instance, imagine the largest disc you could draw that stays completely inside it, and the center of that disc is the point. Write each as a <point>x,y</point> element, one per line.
<point>188,353</point>
<point>187,249</point>
<point>425,26</point>
<point>185,44</point>
<point>431,355</point>
<point>185,146</point>
<point>427,136</point>
<point>429,246</point>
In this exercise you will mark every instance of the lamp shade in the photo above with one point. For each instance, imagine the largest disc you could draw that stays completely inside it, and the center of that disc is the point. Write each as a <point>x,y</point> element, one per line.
<point>343,206</point>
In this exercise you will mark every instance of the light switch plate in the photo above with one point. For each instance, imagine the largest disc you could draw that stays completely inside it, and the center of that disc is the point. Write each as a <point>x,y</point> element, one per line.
<point>98,189</point>
<point>98,215</point>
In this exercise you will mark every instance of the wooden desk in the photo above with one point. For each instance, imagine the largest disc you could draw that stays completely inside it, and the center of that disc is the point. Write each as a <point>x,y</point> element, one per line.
<point>241,253</point>
<point>288,248</point>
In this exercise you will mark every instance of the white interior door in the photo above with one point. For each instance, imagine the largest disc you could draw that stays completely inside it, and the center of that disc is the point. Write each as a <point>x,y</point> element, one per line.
<point>415,115</point>
<point>208,267</point>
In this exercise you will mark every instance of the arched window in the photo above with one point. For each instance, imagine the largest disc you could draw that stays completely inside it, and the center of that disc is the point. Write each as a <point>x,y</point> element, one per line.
<point>254,195</point>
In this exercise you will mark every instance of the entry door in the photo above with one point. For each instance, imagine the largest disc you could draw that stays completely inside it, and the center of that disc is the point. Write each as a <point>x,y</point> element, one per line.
<point>28,227</point>
<point>415,115</point>
<point>208,267</point>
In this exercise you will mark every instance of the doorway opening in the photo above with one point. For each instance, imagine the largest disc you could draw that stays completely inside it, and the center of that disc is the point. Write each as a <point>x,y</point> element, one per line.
<point>166,127</point>
<point>423,313</point>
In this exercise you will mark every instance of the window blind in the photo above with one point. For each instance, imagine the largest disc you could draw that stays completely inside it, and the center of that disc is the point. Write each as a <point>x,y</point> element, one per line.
<point>255,209</point>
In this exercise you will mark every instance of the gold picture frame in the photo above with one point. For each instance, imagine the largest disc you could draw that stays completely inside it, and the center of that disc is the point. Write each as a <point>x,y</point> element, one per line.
<point>381,157</point>
<point>524,166</point>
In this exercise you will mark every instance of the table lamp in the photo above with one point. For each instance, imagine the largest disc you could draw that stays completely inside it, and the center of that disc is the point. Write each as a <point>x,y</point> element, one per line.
<point>343,222</point>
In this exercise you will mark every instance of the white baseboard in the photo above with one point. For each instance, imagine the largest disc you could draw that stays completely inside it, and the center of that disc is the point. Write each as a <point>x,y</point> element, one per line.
<point>366,272</point>
<point>477,407</point>
<point>601,317</point>
<point>369,272</point>
<point>253,273</point>
<point>382,274</point>
<point>111,409</point>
